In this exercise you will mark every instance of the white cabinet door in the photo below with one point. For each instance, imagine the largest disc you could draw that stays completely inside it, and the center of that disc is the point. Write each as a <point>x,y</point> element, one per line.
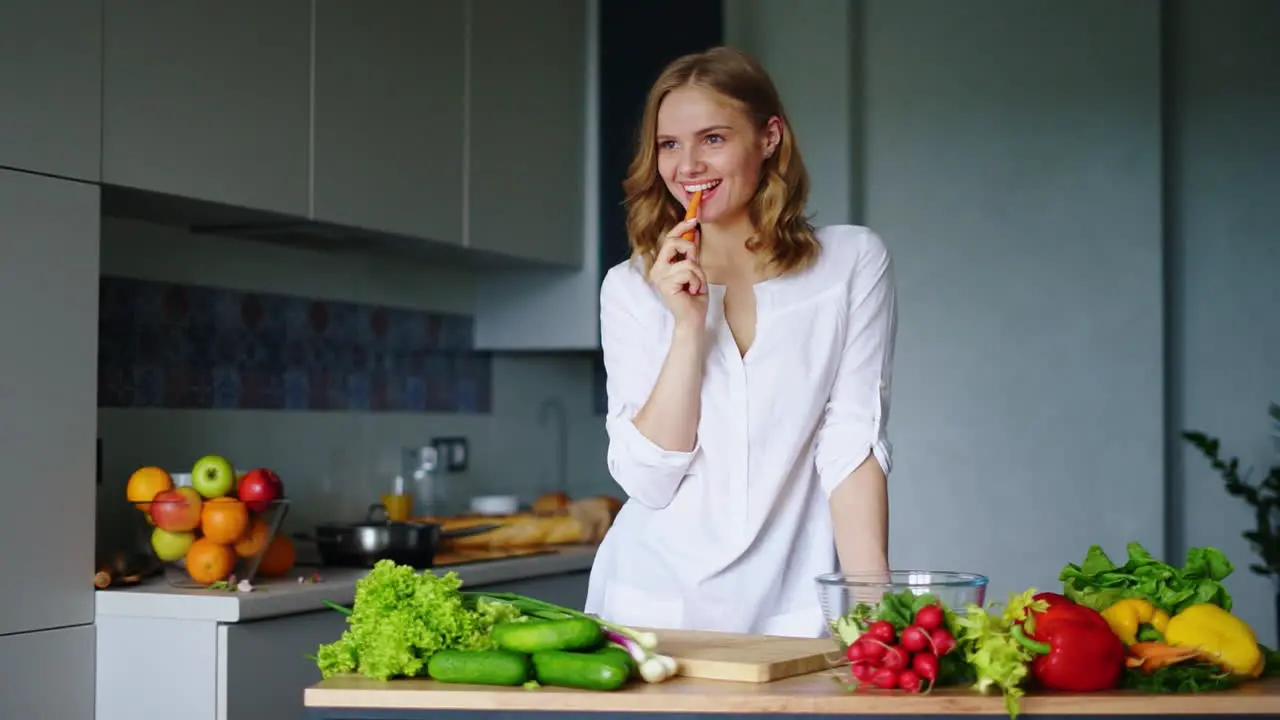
<point>49,230</point>
<point>47,675</point>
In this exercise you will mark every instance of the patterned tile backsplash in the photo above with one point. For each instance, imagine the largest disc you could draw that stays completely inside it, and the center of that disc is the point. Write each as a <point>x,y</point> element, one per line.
<point>187,346</point>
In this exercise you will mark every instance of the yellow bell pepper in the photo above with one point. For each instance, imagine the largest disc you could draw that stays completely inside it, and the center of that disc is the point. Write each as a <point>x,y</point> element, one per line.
<point>1126,616</point>
<point>1219,637</point>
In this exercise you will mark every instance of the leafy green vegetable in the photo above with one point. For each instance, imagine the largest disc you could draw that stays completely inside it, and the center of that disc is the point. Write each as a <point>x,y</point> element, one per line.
<point>987,641</point>
<point>1271,664</point>
<point>901,609</point>
<point>401,617</point>
<point>1184,677</point>
<point>1098,582</point>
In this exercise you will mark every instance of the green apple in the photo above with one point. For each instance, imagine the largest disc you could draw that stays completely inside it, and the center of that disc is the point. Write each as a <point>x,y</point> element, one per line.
<point>213,476</point>
<point>171,546</point>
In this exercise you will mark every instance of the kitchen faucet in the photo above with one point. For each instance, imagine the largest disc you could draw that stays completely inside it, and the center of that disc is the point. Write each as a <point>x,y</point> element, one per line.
<point>552,410</point>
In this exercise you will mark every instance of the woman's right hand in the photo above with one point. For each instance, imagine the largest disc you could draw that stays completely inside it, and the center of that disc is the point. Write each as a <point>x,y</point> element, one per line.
<point>679,278</point>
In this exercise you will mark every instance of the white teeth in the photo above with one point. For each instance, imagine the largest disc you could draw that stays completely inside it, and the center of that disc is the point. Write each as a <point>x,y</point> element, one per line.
<point>701,186</point>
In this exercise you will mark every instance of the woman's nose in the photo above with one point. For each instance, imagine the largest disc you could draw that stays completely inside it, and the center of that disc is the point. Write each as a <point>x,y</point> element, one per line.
<point>690,162</point>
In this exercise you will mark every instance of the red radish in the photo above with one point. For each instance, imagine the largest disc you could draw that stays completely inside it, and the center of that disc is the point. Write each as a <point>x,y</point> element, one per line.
<point>929,617</point>
<point>862,671</point>
<point>857,652</point>
<point>881,630</point>
<point>872,649</point>
<point>895,658</point>
<point>915,638</point>
<point>943,642</point>
<point>885,678</point>
<point>926,666</point>
<point>909,681</point>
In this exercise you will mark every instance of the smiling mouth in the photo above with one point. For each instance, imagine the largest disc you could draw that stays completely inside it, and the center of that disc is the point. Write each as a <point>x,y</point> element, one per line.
<point>703,186</point>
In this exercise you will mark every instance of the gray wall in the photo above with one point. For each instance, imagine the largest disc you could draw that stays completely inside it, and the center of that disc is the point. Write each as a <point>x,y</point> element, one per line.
<point>1225,253</point>
<point>1062,317</point>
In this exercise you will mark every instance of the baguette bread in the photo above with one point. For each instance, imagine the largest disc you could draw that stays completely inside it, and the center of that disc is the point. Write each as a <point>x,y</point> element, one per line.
<point>582,522</point>
<point>528,531</point>
<point>554,503</point>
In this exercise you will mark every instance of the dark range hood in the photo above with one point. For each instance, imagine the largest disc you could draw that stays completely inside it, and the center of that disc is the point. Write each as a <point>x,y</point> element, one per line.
<point>209,218</point>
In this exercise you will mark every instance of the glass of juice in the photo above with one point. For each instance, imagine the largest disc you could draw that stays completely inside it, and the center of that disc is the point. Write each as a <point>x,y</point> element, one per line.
<point>399,506</point>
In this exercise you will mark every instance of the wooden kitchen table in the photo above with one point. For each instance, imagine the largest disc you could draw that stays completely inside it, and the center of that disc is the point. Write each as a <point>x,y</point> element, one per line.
<point>812,697</point>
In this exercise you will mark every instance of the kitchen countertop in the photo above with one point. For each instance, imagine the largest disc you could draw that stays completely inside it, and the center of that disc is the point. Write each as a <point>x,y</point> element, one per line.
<point>811,695</point>
<point>286,596</point>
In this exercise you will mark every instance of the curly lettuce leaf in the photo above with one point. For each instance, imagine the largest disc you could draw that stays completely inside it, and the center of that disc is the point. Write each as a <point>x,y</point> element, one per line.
<point>401,617</point>
<point>1098,582</point>
<point>1182,678</point>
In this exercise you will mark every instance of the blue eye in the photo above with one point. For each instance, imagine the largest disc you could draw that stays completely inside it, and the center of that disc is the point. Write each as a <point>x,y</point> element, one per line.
<point>667,144</point>
<point>713,138</point>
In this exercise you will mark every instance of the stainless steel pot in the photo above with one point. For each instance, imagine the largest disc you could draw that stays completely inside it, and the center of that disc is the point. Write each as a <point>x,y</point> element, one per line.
<point>363,544</point>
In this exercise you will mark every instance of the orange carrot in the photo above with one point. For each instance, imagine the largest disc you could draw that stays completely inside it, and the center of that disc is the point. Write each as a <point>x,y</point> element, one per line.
<point>1151,656</point>
<point>691,211</point>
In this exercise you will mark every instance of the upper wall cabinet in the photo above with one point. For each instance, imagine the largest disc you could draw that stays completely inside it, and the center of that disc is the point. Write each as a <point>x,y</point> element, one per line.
<point>512,309</point>
<point>390,116</point>
<point>209,99</point>
<point>455,121</point>
<point>527,129</point>
<point>51,87</point>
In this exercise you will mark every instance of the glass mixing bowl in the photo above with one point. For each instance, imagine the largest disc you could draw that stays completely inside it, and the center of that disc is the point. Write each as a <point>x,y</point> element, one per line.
<point>859,596</point>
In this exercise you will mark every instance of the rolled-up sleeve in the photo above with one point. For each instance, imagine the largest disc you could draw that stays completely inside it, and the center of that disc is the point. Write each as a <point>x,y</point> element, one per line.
<point>856,414</point>
<point>645,471</point>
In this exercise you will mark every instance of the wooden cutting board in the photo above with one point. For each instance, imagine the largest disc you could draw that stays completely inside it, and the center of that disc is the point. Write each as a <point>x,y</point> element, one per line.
<point>745,658</point>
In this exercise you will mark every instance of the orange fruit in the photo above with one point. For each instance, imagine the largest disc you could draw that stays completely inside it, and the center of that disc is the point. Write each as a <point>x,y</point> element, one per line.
<point>254,539</point>
<point>223,520</point>
<point>145,483</point>
<point>278,558</point>
<point>208,562</point>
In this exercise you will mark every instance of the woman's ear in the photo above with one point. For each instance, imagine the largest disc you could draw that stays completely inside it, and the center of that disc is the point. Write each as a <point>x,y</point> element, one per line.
<point>772,135</point>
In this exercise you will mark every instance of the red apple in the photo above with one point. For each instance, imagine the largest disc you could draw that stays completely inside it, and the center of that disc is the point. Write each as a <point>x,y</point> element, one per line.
<point>177,510</point>
<point>259,487</point>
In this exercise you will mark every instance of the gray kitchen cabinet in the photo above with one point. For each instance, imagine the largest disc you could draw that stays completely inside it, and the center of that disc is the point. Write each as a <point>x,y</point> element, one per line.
<point>390,116</point>
<point>51,87</point>
<point>528,74</point>
<point>280,645</point>
<point>48,382</point>
<point>209,100</point>
<point>47,674</point>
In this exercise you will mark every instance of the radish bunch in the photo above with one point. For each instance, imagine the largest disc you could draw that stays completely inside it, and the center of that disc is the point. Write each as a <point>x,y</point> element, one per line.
<point>909,661</point>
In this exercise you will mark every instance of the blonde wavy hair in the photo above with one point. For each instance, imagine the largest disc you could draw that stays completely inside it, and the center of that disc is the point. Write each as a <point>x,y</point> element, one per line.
<point>784,236</point>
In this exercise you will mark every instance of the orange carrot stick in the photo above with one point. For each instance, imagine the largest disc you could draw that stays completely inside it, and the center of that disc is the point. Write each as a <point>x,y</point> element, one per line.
<point>1151,656</point>
<point>690,212</point>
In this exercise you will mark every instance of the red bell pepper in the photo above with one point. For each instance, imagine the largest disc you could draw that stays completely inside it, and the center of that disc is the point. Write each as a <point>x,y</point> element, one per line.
<point>1063,607</point>
<point>1075,648</point>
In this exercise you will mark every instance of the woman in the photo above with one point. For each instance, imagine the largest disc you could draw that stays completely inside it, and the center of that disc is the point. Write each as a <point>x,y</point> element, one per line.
<point>748,372</point>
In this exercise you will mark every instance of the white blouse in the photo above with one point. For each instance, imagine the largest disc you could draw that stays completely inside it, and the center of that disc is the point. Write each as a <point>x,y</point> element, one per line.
<point>730,535</point>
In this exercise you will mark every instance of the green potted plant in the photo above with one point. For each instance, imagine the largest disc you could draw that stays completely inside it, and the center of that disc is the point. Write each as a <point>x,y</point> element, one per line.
<point>1264,498</point>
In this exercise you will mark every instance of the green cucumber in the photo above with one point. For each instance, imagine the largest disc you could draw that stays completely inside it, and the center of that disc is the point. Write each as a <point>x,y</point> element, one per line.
<point>622,656</point>
<point>605,669</point>
<point>480,667</point>
<point>531,636</point>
